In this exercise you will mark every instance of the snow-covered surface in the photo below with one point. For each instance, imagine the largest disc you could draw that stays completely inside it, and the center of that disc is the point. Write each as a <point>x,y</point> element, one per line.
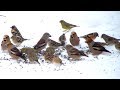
<point>33,24</point>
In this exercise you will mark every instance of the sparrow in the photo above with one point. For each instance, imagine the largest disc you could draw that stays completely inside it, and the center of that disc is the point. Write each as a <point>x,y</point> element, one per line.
<point>101,43</point>
<point>48,57</point>
<point>53,43</point>
<point>14,52</point>
<point>67,26</point>
<point>56,61</point>
<point>74,39</point>
<point>74,53</point>
<point>49,54</point>
<point>62,39</point>
<point>31,54</point>
<point>109,39</point>
<point>95,47</point>
<point>91,35</point>
<point>17,40</point>
<point>42,43</point>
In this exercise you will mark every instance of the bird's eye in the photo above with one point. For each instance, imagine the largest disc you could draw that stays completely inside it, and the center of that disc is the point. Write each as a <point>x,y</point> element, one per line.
<point>6,36</point>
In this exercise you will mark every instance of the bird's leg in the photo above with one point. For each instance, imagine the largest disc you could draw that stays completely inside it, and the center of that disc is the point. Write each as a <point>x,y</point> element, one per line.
<point>66,31</point>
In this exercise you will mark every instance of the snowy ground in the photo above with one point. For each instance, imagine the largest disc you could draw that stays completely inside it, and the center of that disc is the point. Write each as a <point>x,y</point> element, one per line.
<point>33,24</point>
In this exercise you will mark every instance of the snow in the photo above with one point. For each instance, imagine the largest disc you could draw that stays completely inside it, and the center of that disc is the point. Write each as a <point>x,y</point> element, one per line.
<point>32,25</point>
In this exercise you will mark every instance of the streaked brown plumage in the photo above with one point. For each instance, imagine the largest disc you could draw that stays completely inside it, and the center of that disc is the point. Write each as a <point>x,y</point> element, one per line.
<point>48,57</point>
<point>101,43</point>
<point>74,53</point>
<point>31,54</point>
<point>42,43</point>
<point>49,54</point>
<point>95,47</point>
<point>54,44</point>
<point>109,39</point>
<point>14,52</point>
<point>17,38</point>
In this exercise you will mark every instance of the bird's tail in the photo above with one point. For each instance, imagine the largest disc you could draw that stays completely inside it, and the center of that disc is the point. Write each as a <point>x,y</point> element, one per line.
<point>83,54</point>
<point>118,39</point>
<point>107,51</point>
<point>77,26</point>
<point>23,56</point>
<point>37,62</point>
<point>26,39</point>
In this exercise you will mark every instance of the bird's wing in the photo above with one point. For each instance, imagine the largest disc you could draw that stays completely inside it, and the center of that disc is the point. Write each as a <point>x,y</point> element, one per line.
<point>98,47</point>
<point>15,51</point>
<point>41,43</point>
<point>74,51</point>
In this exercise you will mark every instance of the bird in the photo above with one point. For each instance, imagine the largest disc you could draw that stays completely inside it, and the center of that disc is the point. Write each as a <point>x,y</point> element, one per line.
<point>48,57</point>
<point>49,54</point>
<point>62,39</point>
<point>67,26</point>
<point>101,43</point>
<point>74,39</point>
<point>14,52</point>
<point>42,43</point>
<point>16,37</point>
<point>17,40</point>
<point>54,44</point>
<point>56,60</point>
<point>109,39</point>
<point>6,39</point>
<point>91,35</point>
<point>95,47</point>
<point>31,54</point>
<point>74,53</point>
